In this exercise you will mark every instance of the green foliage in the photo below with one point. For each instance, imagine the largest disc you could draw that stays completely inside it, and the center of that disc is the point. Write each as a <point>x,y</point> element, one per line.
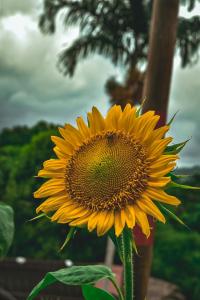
<point>6,228</point>
<point>177,259</point>
<point>76,275</point>
<point>90,293</point>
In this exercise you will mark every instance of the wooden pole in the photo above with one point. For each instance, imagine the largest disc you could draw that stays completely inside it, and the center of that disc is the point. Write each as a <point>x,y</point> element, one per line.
<point>160,56</point>
<point>156,91</point>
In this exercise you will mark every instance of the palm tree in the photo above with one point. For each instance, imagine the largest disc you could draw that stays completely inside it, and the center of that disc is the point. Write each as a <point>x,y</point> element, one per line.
<point>119,31</point>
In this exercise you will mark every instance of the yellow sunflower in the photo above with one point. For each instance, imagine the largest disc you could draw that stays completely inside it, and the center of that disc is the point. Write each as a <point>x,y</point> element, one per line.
<point>108,174</point>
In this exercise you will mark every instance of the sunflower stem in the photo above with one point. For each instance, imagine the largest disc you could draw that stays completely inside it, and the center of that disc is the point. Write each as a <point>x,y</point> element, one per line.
<point>128,264</point>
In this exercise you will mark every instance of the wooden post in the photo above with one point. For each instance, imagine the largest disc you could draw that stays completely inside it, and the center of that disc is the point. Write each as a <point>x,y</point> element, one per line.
<point>156,91</point>
<point>160,56</point>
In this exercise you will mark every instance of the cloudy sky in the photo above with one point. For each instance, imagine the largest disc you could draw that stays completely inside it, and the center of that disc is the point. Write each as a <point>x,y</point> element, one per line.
<point>32,89</point>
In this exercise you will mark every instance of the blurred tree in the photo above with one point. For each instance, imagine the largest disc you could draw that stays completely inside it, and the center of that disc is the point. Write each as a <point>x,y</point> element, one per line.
<point>118,30</point>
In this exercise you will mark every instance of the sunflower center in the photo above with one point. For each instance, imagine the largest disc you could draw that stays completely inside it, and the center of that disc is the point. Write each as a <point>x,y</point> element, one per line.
<point>107,172</point>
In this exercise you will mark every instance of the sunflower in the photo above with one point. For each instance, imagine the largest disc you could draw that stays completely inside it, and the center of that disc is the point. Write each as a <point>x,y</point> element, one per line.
<point>109,173</point>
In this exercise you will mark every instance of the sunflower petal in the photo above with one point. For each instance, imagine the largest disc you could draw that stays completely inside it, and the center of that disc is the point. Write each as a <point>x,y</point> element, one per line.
<point>118,223</point>
<point>161,196</point>
<point>84,130</point>
<point>51,187</point>
<point>150,208</point>
<point>142,220</point>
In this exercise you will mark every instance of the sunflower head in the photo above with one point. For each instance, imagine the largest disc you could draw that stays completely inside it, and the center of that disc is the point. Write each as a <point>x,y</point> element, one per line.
<point>109,173</point>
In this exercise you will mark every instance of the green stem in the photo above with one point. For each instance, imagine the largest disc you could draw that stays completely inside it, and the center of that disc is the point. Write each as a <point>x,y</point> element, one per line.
<point>128,263</point>
<point>121,297</point>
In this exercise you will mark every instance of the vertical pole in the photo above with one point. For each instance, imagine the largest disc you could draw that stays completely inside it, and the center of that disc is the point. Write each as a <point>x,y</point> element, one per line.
<point>160,56</point>
<point>156,91</point>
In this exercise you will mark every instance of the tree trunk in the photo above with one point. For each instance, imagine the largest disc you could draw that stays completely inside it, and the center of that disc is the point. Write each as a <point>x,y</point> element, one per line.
<point>156,91</point>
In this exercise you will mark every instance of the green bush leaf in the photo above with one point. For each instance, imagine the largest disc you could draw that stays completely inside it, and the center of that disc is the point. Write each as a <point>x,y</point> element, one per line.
<point>90,293</point>
<point>76,275</point>
<point>6,228</point>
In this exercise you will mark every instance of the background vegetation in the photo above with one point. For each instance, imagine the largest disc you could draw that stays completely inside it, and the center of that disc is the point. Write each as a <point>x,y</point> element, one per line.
<point>22,151</point>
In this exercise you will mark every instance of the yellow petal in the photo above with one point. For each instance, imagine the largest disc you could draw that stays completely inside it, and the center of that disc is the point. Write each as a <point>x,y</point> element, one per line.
<point>67,207</point>
<point>105,222</point>
<point>132,212</point>
<point>51,187</point>
<point>130,216</point>
<point>113,116</point>
<point>51,174</point>
<point>52,204</point>
<point>158,147</point>
<point>80,221</point>
<point>55,164</point>
<point>70,137</point>
<point>84,130</point>
<point>158,181</point>
<point>157,134</point>
<point>142,220</point>
<point>162,161</point>
<point>127,118</point>
<point>64,146</point>
<point>60,154</point>
<point>98,120</point>
<point>148,128</point>
<point>150,208</point>
<point>68,215</point>
<point>118,223</point>
<point>92,221</point>
<point>162,172</point>
<point>141,122</point>
<point>161,196</point>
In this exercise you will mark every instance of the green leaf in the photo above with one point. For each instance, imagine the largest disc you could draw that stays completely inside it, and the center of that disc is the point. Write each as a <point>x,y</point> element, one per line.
<point>90,293</point>
<point>76,275</point>
<point>173,184</point>
<point>39,217</point>
<point>172,119</point>
<point>6,228</point>
<point>176,148</point>
<point>172,215</point>
<point>134,246</point>
<point>70,235</point>
<point>117,242</point>
<point>175,176</point>
<point>139,110</point>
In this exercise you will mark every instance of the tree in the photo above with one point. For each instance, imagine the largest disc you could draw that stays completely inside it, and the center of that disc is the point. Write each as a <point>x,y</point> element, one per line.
<point>118,30</point>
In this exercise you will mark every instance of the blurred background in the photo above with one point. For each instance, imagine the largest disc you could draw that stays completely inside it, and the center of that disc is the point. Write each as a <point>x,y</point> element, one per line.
<point>57,60</point>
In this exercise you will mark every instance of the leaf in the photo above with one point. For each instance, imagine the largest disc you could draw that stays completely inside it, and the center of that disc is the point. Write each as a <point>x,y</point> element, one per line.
<point>175,176</point>
<point>6,228</point>
<point>76,275</point>
<point>173,184</point>
<point>176,148</point>
<point>139,110</point>
<point>134,246</point>
<point>172,119</point>
<point>117,242</point>
<point>90,293</point>
<point>39,217</point>
<point>173,215</point>
<point>70,235</point>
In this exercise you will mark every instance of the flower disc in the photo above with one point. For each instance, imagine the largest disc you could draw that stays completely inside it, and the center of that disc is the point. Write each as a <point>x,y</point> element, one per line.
<point>108,173</point>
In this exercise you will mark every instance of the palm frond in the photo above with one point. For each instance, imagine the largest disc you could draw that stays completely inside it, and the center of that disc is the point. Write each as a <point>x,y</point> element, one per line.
<point>86,45</point>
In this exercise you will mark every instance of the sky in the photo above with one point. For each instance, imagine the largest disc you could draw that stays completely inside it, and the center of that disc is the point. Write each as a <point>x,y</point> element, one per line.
<point>32,89</point>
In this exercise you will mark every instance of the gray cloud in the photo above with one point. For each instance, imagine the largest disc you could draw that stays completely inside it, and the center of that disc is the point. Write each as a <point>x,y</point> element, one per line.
<point>32,89</point>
